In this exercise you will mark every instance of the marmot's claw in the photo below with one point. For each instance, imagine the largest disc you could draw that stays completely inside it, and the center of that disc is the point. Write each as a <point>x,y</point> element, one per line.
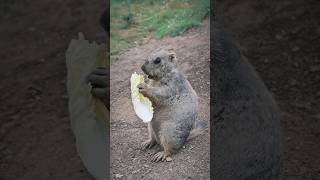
<point>160,156</point>
<point>141,90</point>
<point>142,86</point>
<point>147,144</point>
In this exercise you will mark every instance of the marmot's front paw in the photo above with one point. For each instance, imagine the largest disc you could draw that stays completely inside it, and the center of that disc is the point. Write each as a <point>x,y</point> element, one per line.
<point>99,79</point>
<point>143,87</point>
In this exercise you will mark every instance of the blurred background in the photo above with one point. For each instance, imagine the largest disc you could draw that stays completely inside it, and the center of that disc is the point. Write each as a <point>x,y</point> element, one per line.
<point>282,40</point>
<point>134,22</point>
<point>36,141</point>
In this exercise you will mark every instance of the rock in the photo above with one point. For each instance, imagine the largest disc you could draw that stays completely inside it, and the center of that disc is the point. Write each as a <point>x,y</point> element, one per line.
<point>119,176</point>
<point>136,171</point>
<point>168,159</point>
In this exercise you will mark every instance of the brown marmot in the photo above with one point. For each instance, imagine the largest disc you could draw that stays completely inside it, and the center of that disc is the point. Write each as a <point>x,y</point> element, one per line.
<point>247,140</point>
<point>175,104</point>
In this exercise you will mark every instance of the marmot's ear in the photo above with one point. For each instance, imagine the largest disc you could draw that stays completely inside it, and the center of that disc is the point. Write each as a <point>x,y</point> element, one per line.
<point>172,56</point>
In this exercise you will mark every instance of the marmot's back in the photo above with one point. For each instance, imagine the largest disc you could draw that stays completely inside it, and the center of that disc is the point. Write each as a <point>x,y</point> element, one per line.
<point>247,138</point>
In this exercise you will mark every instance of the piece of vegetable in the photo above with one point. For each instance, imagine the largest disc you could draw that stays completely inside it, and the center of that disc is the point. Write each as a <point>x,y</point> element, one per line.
<point>142,105</point>
<point>89,116</point>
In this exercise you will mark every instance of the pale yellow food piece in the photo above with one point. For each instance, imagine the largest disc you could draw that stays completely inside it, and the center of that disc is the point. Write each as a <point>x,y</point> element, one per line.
<point>142,105</point>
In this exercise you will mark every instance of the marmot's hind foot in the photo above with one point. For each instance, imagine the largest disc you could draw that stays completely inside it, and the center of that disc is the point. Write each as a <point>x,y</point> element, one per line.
<point>159,156</point>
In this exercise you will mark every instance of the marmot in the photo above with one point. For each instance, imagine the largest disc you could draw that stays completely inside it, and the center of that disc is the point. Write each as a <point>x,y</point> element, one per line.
<point>175,104</point>
<point>247,139</point>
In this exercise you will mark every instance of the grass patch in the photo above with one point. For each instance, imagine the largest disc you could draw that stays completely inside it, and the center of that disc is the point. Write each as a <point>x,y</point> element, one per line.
<point>133,20</point>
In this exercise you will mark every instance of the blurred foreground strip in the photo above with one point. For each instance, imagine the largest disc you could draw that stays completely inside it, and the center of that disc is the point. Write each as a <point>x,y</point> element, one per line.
<point>89,116</point>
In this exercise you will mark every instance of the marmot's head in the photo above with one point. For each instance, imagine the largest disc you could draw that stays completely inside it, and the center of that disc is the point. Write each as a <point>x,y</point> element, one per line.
<point>159,64</point>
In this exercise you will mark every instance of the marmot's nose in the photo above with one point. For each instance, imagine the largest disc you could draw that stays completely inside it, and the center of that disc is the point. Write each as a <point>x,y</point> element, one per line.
<point>143,67</point>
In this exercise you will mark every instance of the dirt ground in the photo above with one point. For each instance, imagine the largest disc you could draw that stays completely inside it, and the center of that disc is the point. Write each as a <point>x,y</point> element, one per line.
<point>128,131</point>
<point>282,40</point>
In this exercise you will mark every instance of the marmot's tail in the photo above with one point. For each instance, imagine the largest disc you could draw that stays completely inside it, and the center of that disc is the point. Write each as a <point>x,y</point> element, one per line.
<point>200,128</point>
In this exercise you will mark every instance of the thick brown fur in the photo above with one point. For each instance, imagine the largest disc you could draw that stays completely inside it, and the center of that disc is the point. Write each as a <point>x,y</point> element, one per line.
<point>247,140</point>
<point>175,104</point>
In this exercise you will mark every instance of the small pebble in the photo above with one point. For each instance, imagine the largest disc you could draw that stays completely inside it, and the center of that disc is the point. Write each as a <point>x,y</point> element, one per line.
<point>168,159</point>
<point>119,176</point>
<point>134,172</point>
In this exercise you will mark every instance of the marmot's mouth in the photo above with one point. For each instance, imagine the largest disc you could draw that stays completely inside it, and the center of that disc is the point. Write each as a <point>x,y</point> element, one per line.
<point>147,73</point>
<point>150,77</point>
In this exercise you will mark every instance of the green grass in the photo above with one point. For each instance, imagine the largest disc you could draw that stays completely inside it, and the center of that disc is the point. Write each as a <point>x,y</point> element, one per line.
<point>133,20</point>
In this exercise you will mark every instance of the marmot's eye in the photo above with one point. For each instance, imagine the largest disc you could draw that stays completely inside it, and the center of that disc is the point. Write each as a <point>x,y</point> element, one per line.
<point>157,61</point>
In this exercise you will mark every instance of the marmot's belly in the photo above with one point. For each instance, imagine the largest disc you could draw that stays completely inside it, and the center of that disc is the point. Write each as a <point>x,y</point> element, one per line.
<point>175,123</point>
